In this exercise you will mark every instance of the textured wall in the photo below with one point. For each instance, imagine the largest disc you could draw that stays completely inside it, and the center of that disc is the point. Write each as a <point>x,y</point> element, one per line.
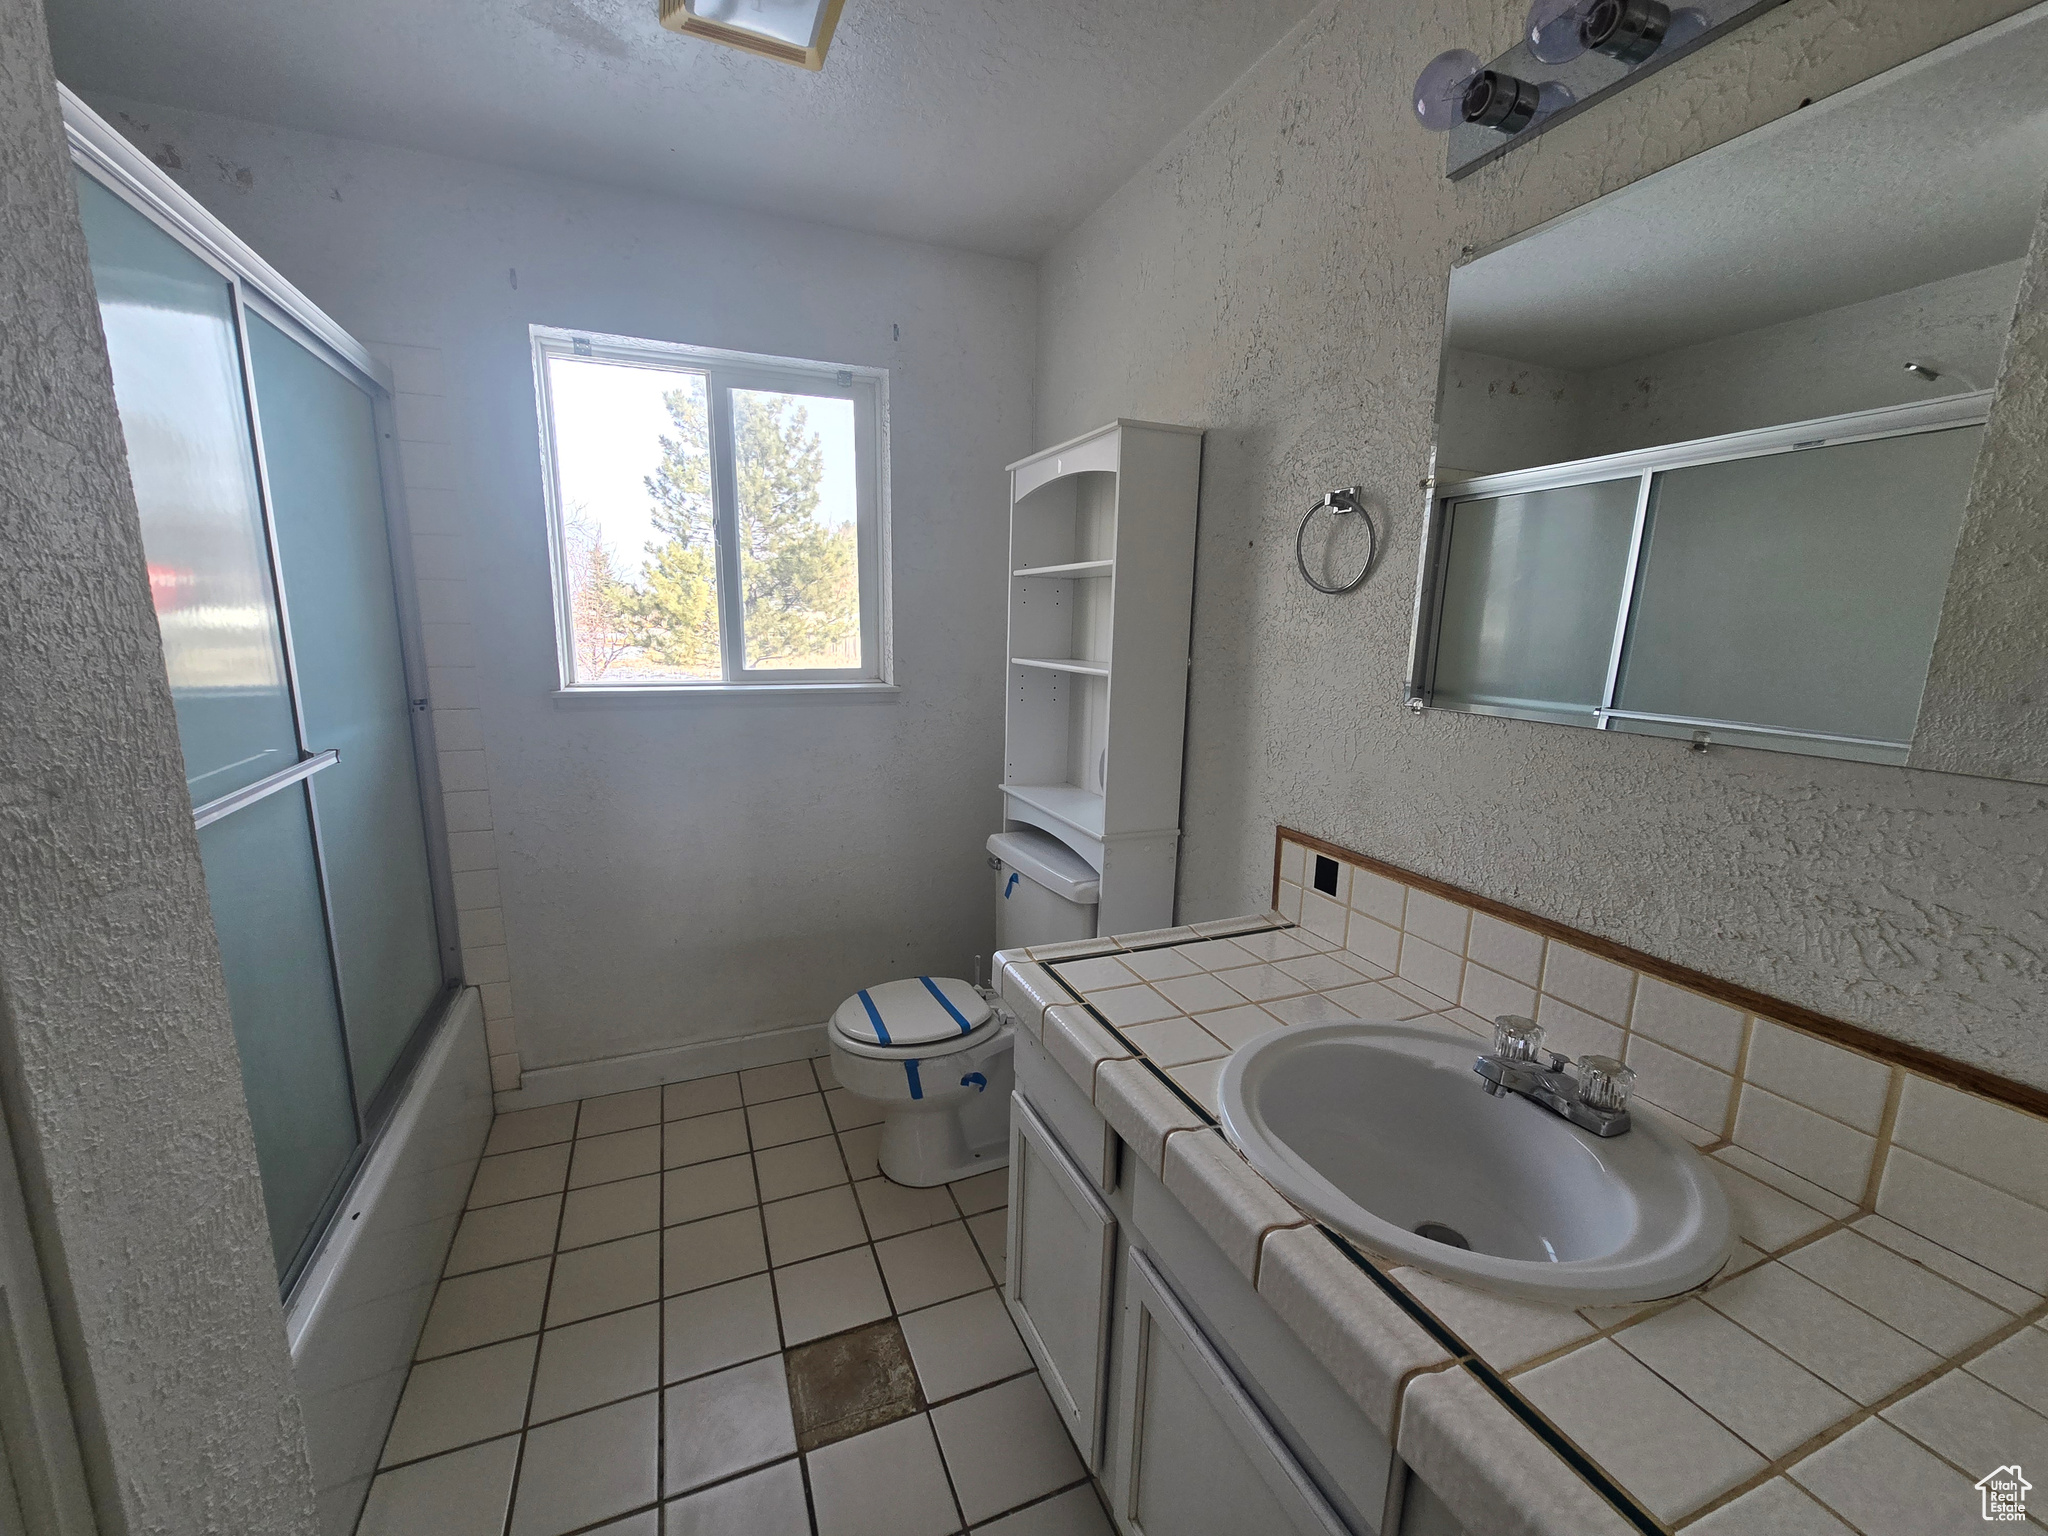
<point>682,870</point>
<point>116,1054</point>
<point>1986,705</point>
<point>1278,276</point>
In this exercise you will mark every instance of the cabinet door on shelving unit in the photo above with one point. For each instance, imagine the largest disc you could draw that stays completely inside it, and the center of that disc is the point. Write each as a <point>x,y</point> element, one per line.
<point>1062,1248</point>
<point>1196,1455</point>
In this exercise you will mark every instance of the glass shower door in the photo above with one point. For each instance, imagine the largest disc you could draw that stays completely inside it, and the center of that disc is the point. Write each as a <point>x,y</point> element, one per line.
<point>320,461</point>
<point>171,327</point>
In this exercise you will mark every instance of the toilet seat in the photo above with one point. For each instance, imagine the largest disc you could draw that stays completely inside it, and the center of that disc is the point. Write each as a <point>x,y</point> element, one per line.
<point>928,1015</point>
<point>867,1049</point>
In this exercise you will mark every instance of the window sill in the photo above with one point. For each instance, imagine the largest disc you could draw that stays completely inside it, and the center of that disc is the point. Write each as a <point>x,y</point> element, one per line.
<point>649,693</point>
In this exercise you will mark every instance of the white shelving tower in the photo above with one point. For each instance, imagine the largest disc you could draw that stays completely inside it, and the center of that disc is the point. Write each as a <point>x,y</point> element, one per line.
<point>1102,562</point>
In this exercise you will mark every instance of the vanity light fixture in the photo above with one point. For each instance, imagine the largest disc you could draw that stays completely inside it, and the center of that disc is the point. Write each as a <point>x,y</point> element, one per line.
<point>792,31</point>
<point>1455,87</point>
<point>1559,31</point>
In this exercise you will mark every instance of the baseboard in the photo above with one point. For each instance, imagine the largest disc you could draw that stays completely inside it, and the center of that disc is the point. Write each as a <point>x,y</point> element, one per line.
<point>670,1064</point>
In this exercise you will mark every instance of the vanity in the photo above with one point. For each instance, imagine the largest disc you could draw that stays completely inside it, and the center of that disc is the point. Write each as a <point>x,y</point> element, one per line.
<point>1225,1361</point>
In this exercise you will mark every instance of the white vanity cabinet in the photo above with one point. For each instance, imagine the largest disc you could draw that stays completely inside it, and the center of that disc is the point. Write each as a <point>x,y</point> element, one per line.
<point>1197,1456</point>
<point>1061,1267</point>
<point>1198,1410</point>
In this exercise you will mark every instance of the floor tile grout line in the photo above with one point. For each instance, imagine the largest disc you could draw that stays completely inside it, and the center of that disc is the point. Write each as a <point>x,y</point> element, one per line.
<point>661,1383</point>
<point>945,1467</point>
<point>533,1375</point>
<point>1043,1498</point>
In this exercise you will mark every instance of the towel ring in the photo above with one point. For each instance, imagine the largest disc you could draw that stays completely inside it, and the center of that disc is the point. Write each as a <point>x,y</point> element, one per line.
<point>1339,502</point>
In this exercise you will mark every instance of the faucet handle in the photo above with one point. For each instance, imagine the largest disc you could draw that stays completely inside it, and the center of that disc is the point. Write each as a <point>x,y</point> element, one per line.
<point>1516,1038</point>
<point>1604,1083</point>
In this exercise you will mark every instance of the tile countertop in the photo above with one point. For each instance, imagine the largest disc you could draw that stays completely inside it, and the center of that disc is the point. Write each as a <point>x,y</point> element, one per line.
<point>1841,1375</point>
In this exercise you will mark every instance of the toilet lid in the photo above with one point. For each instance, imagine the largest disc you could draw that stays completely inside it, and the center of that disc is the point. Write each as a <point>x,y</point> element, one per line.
<point>918,1011</point>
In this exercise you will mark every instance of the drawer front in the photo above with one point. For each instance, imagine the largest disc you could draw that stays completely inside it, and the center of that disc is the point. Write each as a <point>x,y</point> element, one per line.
<point>1061,1265</point>
<point>1064,1110</point>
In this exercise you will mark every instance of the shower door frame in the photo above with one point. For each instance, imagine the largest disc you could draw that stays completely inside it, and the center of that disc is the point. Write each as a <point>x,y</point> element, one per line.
<point>258,288</point>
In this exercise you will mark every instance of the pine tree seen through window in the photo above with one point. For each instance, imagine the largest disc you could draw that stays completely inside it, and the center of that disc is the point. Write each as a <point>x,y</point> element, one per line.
<point>718,517</point>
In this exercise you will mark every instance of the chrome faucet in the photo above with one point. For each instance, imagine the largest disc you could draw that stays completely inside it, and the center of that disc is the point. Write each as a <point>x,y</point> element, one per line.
<point>1596,1099</point>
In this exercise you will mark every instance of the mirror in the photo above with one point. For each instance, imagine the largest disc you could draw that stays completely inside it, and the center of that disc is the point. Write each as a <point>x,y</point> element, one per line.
<point>1751,451</point>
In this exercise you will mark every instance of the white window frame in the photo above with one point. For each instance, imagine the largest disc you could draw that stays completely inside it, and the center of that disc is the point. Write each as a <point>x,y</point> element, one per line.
<point>724,371</point>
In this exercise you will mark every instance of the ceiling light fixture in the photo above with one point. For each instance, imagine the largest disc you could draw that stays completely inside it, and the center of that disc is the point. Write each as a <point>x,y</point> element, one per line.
<point>792,31</point>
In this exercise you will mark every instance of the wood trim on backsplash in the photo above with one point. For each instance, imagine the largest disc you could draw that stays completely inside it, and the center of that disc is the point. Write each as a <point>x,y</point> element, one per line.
<point>1855,1037</point>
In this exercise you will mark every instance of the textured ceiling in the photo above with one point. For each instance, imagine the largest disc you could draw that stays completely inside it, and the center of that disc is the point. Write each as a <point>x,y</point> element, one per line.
<point>1934,171</point>
<point>979,123</point>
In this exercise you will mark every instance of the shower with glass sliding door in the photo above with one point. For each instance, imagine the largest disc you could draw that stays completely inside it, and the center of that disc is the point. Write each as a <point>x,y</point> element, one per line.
<point>253,443</point>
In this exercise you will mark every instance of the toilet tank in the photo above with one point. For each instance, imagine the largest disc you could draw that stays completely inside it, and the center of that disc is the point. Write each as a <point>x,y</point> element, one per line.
<point>1045,892</point>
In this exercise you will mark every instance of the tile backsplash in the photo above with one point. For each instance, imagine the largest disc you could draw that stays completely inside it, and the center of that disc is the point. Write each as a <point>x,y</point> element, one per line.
<point>1839,1130</point>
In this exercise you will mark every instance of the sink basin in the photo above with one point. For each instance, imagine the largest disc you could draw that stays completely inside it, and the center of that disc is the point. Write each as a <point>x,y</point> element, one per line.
<point>1383,1132</point>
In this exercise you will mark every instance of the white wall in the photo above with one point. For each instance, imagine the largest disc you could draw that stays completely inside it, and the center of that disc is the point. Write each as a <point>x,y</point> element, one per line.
<point>1501,413</point>
<point>1279,276</point>
<point>680,871</point>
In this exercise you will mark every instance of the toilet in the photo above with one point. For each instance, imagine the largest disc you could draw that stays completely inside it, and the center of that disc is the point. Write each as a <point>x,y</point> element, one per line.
<point>934,1052</point>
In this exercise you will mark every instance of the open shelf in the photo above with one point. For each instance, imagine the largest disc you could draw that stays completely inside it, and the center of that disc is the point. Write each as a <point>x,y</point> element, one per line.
<point>1102,554</point>
<point>1078,808</point>
<point>1074,568</point>
<point>1061,664</point>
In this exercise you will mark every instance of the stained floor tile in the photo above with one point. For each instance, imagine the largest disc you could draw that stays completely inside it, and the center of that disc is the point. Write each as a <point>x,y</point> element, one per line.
<point>851,1383</point>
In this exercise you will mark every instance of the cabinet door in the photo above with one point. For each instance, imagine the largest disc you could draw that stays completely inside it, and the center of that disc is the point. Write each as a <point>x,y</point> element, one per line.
<point>1061,1264</point>
<point>1202,1460</point>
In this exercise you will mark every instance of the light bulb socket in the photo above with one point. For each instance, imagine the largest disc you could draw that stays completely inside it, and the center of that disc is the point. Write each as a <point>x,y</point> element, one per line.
<point>1495,100</point>
<point>1628,30</point>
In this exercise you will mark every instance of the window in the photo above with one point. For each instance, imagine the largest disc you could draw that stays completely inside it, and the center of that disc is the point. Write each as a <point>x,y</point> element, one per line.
<point>718,519</point>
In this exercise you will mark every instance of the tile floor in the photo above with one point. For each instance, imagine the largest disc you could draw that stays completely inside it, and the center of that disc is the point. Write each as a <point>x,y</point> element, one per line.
<point>635,1282</point>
